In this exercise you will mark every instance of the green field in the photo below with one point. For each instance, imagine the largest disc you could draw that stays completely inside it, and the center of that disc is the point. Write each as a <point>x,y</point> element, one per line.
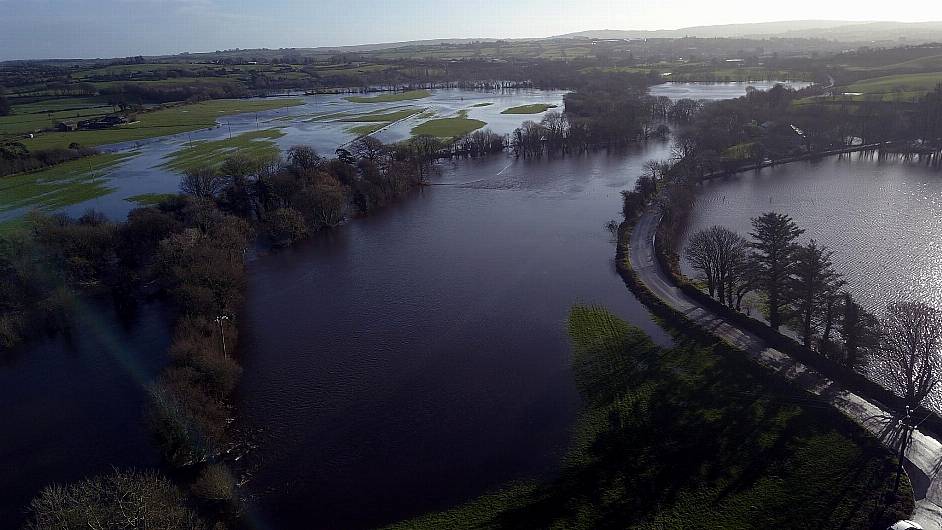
<point>929,63</point>
<point>391,97</point>
<point>59,186</point>
<point>388,117</point>
<point>150,199</point>
<point>364,130</point>
<point>906,83</point>
<point>254,145</point>
<point>32,117</point>
<point>535,108</point>
<point>692,437</point>
<point>459,125</point>
<point>173,120</point>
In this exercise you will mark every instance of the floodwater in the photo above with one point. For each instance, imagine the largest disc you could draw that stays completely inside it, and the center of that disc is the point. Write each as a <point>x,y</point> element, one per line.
<point>309,124</point>
<point>401,363</point>
<point>717,91</point>
<point>314,123</point>
<point>417,358</point>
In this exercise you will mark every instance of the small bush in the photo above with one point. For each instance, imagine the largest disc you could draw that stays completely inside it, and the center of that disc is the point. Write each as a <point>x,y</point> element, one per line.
<point>215,483</point>
<point>286,227</point>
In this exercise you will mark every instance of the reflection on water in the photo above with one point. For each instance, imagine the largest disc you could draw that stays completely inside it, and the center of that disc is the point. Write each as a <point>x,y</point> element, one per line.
<point>717,91</point>
<point>418,357</point>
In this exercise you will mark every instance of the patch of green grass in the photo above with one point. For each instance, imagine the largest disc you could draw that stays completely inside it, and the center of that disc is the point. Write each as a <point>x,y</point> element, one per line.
<point>387,117</point>
<point>328,117</point>
<point>370,128</point>
<point>476,105</point>
<point>536,108</point>
<point>173,120</point>
<point>693,436</point>
<point>59,186</point>
<point>254,145</point>
<point>459,125</point>
<point>391,97</point>
<point>918,83</point>
<point>34,117</point>
<point>932,62</point>
<point>150,199</point>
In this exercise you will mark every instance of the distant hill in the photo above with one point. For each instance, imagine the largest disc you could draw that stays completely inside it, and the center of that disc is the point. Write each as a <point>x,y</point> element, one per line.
<point>835,30</point>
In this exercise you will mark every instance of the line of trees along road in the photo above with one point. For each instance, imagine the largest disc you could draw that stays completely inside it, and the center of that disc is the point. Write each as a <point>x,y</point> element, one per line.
<point>799,288</point>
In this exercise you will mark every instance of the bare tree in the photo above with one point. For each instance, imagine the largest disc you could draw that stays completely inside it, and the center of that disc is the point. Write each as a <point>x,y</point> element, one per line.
<point>368,148</point>
<point>911,343</point>
<point>718,254</point>
<point>203,182</point>
<point>120,499</point>
<point>700,255</point>
<point>743,277</point>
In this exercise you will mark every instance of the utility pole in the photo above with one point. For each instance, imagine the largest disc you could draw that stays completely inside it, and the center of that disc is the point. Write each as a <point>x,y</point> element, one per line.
<point>222,333</point>
<point>904,443</point>
<point>230,129</point>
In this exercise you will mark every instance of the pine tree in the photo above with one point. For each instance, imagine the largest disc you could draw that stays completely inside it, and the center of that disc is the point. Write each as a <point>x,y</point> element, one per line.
<point>811,281</point>
<point>774,236</point>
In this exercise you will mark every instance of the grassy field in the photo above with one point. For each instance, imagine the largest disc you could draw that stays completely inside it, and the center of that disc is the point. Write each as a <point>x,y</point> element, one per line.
<point>59,186</point>
<point>150,199</point>
<point>387,117</point>
<point>255,145</point>
<point>932,62</point>
<point>369,128</point>
<point>906,83</point>
<point>535,108</point>
<point>173,120</point>
<point>692,437</point>
<point>30,117</point>
<point>392,97</point>
<point>459,125</point>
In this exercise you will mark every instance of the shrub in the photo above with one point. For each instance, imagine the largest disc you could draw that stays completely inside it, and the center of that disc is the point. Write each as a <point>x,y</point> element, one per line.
<point>214,483</point>
<point>286,226</point>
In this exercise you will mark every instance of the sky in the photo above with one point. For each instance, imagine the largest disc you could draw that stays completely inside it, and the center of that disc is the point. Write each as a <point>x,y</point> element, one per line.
<point>31,29</point>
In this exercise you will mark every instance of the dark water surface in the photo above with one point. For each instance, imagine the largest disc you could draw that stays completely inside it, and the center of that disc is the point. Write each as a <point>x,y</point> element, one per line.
<point>74,408</point>
<point>413,359</point>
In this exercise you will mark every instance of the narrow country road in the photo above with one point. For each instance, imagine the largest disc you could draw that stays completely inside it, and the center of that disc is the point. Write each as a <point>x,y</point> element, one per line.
<point>924,456</point>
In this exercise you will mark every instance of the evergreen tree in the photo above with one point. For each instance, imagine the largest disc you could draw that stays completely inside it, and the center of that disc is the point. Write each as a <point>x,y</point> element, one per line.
<point>811,281</point>
<point>774,236</point>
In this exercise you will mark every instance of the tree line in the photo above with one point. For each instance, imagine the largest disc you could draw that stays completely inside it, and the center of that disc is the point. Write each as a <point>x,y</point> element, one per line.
<point>17,158</point>
<point>780,123</point>
<point>606,111</point>
<point>801,289</point>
